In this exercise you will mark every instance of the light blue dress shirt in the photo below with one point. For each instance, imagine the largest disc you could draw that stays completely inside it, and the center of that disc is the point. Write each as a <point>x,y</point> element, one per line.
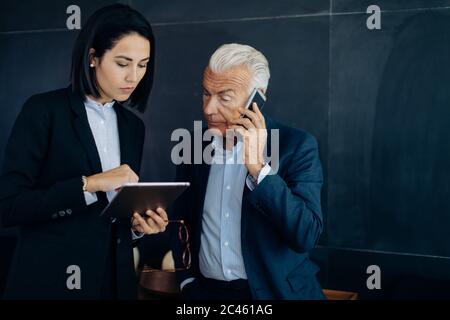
<point>220,254</point>
<point>103,123</point>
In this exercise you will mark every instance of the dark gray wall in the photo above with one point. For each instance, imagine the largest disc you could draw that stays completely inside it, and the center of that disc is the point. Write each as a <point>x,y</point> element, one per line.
<point>377,100</point>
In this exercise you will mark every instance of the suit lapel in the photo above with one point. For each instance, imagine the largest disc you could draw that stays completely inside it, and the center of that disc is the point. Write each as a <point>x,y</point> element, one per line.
<point>83,130</point>
<point>125,137</point>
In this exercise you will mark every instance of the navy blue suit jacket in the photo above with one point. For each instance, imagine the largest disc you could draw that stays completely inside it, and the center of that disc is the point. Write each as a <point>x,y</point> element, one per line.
<point>281,219</point>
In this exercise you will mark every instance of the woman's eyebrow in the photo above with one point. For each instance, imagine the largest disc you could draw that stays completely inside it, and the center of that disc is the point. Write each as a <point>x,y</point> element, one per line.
<point>124,57</point>
<point>129,59</point>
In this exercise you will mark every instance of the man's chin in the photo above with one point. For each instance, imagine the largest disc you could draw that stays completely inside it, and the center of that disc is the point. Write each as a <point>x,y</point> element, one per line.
<point>217,128</point>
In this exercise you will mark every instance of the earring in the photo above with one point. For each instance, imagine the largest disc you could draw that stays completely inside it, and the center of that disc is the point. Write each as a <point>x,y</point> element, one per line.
<point>91,65</point>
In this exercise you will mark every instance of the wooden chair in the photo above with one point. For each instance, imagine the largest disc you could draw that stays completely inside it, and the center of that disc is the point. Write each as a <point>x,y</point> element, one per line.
<point>158,284</point>
<point>340,295</point>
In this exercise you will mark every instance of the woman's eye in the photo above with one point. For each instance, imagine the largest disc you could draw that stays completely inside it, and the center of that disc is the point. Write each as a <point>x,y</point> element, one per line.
<point>121,65</point>
<point>142,66</point>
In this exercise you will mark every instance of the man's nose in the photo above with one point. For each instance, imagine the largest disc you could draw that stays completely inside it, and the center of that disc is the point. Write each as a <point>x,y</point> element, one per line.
<point>210,106</point>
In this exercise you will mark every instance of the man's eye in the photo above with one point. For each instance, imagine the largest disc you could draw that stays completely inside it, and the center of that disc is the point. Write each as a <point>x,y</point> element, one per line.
<point>225,99</point>
<point>205,93</point>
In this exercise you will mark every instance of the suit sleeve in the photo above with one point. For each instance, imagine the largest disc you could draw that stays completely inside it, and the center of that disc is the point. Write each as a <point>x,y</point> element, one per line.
<point>21,201</point>
<point>292,203</point>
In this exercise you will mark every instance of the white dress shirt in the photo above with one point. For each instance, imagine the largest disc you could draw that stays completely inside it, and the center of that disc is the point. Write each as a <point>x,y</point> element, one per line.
<point>103,123</point>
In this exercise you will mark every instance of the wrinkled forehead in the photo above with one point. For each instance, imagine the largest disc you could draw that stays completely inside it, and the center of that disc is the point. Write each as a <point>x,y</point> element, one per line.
<point>235,79</point>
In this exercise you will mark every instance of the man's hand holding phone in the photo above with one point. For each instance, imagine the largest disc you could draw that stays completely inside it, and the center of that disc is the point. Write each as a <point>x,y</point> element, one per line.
<point>251,126</point>
<point>258,97</point>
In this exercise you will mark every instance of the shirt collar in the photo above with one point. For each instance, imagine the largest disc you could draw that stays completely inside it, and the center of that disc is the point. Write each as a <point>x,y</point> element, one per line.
<point>96,105</point>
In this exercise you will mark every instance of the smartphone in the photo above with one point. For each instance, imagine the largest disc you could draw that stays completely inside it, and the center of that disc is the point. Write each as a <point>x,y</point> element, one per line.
<point>256,96</point>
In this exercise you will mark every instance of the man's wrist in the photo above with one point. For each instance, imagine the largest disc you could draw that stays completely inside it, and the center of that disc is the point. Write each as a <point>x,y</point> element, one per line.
<point>254,171</point>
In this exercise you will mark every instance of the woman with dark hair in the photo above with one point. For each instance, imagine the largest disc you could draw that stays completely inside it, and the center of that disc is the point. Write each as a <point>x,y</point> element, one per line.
<point>68,152</point>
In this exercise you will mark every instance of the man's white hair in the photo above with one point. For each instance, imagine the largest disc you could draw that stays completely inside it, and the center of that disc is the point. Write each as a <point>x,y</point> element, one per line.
<point>232,55</point>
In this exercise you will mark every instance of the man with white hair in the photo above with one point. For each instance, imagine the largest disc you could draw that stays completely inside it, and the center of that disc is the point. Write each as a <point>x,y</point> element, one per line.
<point>251,224</point>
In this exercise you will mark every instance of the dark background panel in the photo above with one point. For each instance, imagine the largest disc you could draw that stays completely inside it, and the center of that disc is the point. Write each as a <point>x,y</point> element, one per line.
<point>389,131</point>
<point>31,63</point>
<point>205,10</point>
<point>362,5</point>
<point>358,57</point>
<point>403,276</point>
<point>411,142</point>
<point>39,15</point>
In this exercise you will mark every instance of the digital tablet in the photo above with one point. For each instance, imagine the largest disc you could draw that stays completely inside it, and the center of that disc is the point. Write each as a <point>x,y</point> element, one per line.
<point>138,197</point>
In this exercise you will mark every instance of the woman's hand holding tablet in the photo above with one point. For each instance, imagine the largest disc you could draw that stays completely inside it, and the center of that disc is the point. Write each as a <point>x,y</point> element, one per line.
<point>153,222</point>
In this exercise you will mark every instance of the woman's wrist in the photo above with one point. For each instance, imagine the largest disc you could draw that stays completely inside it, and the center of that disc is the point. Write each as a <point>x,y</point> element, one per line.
<point>90,184</point>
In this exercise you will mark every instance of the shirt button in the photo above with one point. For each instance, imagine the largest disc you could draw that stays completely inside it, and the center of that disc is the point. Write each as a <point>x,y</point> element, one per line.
<point>62,213</point>
<point>69,211</point>
<point>227,214</point>
<point>228,187</point>
<point>226,243</point>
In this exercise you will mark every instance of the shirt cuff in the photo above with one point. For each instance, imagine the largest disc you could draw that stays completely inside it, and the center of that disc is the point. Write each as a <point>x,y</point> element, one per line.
<point>252,183</point>
<point>185,282</point>
<point>136,235</point>
<point>90,198</point>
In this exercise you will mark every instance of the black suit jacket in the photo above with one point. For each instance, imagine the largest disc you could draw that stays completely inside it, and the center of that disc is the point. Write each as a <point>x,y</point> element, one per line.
<point>281,219</point>
<point>51,146</point>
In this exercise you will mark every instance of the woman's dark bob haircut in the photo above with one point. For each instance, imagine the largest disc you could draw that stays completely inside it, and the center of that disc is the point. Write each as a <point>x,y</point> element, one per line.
<point>101,32</point>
